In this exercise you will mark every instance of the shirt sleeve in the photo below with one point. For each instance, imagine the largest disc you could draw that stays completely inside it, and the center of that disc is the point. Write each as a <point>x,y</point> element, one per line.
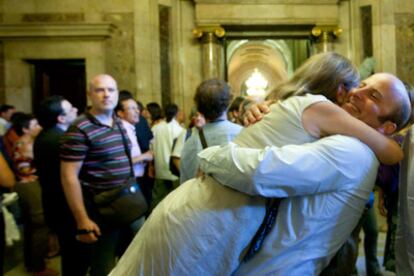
<point>73,145</point>
<point>179,144</point>
<point>326,165</point>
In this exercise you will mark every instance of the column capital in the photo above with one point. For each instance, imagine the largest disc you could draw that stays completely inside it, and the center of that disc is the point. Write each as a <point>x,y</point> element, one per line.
<point>209,34</point>
<point>325,34</point>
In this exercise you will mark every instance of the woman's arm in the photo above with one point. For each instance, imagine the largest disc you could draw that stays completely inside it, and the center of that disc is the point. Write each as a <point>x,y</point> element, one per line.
<point>6,175</point>
<point>324,118</point>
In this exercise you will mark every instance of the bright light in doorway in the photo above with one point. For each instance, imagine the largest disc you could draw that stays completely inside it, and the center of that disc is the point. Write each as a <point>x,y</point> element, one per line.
<point>256,84</point>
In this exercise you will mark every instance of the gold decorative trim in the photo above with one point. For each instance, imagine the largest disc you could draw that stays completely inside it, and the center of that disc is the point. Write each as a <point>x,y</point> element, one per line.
<point>209,34</point>
<point>325,33</point>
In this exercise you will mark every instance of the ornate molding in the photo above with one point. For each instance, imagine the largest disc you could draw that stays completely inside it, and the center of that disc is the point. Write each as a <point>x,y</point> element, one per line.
<point>53,17</point>
<point>54,30</point>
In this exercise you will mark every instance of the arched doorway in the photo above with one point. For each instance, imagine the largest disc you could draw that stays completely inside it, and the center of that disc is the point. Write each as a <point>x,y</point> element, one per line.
<point>265,63</point>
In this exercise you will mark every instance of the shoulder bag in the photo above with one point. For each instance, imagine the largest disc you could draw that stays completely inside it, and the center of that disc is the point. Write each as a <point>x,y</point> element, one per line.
<point>122,205</point>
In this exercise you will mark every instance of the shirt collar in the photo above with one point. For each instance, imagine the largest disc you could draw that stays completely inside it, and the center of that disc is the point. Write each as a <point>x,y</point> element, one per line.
<point>128,124</point>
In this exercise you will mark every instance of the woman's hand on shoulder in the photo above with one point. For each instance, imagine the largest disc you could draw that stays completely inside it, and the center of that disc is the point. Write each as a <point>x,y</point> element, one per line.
<point>256,112</point>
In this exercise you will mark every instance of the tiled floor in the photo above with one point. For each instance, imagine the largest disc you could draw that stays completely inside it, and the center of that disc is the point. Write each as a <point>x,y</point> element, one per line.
<point>14,261</point>
<point>19,270</point>
<point>380,254</point>
<point>15,256</point>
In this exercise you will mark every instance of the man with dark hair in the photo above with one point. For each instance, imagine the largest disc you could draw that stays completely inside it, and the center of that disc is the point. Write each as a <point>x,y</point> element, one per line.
<point>165,132</point>
<point>212,99</point>
<point>144,133</point>
<point>155,111</point>
<point>144,137</point>
<point>55,115</point>
<point>127,110</point>
<point>171,111</point>
<point>6,111</point>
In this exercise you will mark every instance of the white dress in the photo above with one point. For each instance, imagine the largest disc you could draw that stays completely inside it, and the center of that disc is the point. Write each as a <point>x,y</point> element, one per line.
<point>202,227</point>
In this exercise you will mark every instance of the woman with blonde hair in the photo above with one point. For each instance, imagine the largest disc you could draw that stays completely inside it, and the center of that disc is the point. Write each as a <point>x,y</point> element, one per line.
<point>204,227</point>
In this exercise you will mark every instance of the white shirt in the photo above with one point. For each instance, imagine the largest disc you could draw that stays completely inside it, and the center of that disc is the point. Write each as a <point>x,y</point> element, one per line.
<point>327,184</point>
<point>404,251</point>
<point>176,128</point>
<point>164,135</point>
<point>139,168</point>
<point>203,228</point>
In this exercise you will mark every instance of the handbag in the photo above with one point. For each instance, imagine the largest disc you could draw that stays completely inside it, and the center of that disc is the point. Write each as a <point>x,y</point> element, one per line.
<point>173,168</point>
<point>122,205</point>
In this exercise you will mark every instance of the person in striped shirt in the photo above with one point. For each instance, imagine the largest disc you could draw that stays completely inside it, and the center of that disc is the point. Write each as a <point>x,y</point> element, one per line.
<point>93,158</point>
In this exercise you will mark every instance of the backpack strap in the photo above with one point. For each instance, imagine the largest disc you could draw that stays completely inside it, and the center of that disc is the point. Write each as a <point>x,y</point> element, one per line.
<point>202,138</point>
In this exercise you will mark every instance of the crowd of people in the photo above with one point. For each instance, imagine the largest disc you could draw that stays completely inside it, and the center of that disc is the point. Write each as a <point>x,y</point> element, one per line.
<point>274,188</point>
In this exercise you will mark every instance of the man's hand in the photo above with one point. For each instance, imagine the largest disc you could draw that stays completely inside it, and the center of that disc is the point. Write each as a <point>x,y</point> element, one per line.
<point>144,157</point>
<point>88,231</point>
<point>256,112</point>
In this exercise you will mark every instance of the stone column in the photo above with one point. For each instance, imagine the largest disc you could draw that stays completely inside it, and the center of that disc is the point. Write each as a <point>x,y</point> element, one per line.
<point>212,51</point>
<point>323,38</point>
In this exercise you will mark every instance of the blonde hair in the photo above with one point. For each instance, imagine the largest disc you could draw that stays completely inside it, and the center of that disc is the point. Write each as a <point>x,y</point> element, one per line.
<point>320,74</point>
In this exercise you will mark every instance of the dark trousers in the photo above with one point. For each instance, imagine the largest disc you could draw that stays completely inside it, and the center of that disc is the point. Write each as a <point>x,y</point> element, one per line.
<point>343,263</point>
<point>35,231</point>
<point>75,255</point>
<point>104,251</point>
<point>161,189</point>
<point>370,227</point>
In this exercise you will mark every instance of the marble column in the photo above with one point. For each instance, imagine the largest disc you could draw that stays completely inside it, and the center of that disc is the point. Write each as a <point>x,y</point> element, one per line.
<point>212,50</point>
<point>323,38</point>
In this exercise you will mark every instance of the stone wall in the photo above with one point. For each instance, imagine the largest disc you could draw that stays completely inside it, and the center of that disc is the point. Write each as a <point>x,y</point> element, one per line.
<point>120,51</point>
<point>125,42</point>
<point>405,44</point>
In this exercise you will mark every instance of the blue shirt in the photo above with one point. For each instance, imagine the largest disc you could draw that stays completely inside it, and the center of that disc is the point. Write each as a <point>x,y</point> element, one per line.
<point>216,133</point>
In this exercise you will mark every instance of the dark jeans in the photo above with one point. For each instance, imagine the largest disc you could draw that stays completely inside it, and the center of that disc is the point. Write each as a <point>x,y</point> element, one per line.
<point>75,255</point>
<point>127,235</point>
<point>370,227</point>
<point>105,249</point>
<point>103,253</point>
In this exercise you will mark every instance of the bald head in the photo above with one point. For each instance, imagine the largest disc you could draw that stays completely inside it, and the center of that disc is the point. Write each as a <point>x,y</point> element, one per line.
<point>98,78</point>
<point>402,108</point>
<point>381,101</point>
<point>103,94</point>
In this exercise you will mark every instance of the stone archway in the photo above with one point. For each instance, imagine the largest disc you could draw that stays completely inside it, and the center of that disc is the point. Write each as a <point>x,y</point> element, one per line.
<point>272,58</point>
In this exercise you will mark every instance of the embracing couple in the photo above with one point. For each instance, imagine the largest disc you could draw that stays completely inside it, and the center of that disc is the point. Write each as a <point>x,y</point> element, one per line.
<point>319,158</point>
